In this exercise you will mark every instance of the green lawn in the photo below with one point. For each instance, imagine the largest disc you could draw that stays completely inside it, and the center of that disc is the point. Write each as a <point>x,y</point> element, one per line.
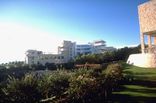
<point>137,90</point>
<point>139,73</point>
<point>141,86</point>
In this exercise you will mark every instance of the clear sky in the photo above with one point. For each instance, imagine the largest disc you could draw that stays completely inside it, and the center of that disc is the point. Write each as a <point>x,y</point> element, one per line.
<point>43,24</point>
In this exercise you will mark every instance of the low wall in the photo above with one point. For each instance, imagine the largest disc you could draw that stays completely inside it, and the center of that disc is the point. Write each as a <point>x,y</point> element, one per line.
<point>147,60</point>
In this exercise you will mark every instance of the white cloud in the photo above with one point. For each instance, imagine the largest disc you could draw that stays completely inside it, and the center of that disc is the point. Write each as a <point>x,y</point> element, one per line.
<point>16,38</point>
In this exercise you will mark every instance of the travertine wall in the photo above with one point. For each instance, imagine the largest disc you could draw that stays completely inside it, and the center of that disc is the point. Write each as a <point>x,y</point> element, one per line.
<point>142,60</point>
<point>147,17</point>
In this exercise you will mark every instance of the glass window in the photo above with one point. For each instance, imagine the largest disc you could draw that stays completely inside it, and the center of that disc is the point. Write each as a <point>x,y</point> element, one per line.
<point>62,57</point>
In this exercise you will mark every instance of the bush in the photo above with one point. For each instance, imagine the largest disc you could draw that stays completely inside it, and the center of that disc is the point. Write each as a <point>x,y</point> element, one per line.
<point>114,71</point>
<point>2,95</point>
<point>113,75</point>
<point>54,85</point>
<point>62,86</point>
<point>81,86</point>
<point>22,91</point>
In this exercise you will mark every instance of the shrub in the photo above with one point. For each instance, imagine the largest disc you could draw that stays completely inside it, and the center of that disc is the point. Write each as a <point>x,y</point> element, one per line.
<point>113,74</point>
<point>54,85</point>
<point>22,91</point>
<point>2,95</point>
<point>89,85</point>
<point>62,86</point>
<point>82,85</point>
<point>114,71</point>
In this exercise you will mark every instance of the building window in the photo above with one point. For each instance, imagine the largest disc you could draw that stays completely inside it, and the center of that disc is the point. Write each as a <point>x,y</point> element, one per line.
<point>78,53</point>
<point>38,62</point>
<point>32,58</point>
<point>62,57</point>
<point>32,62</point>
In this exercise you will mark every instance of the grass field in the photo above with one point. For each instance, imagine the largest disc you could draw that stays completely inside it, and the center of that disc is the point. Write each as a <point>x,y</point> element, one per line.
<point>141,87</point>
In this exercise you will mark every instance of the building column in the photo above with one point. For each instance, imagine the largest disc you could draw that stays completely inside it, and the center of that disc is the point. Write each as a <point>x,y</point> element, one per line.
<point>142,42</point>
<point>155,41</point>
<point>149,41</point>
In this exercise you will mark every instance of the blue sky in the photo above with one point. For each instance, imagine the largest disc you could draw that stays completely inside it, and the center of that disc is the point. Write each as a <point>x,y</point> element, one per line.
<point>37,21</point>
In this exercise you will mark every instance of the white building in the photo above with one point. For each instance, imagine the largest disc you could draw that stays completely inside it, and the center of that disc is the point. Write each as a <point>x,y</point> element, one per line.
<point>67,51</point>
<point>83,49</point>
<point>38,57</point>
<point>95,47</point>
<point>98,47</point>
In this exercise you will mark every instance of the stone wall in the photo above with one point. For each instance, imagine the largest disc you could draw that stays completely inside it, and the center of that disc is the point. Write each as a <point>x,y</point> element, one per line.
<point>147,17</point>
<point>147,60</point>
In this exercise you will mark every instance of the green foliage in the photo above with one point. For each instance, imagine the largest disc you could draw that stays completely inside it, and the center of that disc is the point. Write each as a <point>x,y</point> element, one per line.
<point>83,71</point>
<point>113,75</point>
<point>114,72</point>
<point>17,72</point>
<point>54,84</point>
<point>60,86</point>
<point>23,91</point>
<point>81,87</point>
<point>2,95</point>
<point>86,87</point>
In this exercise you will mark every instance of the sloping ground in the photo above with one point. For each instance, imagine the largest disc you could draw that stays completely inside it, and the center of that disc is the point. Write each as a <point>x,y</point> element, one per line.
<point>140,87</point>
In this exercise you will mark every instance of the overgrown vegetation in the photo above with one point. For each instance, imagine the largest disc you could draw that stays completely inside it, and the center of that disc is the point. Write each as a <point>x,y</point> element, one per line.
<point>63,86</point>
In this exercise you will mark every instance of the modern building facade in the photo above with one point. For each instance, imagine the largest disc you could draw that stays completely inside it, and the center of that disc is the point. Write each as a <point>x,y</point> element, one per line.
<point>67,49</point>
<point>66,52</point>
<point>83,49</point>
<point>38,57</point>
<point>99,46</point>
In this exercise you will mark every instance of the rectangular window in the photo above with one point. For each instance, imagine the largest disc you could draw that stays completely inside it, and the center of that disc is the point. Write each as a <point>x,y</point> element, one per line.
<point>32,58</point>
<point>62,57</point>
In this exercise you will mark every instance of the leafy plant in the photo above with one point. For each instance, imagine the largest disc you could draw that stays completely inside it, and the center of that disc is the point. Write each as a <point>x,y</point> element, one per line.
<point>23,90</point>
<point>54,85</point>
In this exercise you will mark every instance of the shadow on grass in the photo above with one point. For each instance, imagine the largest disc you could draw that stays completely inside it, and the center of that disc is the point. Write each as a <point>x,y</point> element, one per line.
<point>142,90</point>
<point>120,98</point>
<point>149,84</point>
<point>140,86</point>
<point>142,93</point>
<point>139,79</point>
